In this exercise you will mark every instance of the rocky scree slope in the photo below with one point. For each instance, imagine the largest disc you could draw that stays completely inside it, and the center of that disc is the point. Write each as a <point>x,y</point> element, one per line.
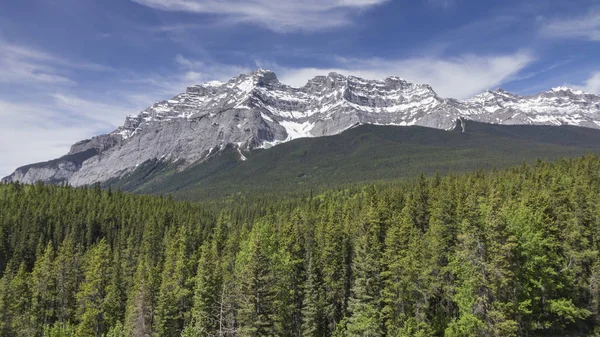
<point>255,110</point>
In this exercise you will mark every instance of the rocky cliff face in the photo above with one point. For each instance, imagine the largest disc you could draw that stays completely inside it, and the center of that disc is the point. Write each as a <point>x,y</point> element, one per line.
<point>256,110</point>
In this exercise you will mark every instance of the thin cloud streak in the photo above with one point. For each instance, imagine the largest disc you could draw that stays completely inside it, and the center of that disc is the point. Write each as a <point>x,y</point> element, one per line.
<point>33,132</point>
<point>21,64</point>
<point>459,77</point>
<point>585,27</point>
<point>591,85</point>
<point>280,16</point>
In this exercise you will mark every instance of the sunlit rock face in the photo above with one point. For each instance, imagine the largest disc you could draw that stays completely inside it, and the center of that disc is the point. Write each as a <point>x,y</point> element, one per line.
<point>256,110</point>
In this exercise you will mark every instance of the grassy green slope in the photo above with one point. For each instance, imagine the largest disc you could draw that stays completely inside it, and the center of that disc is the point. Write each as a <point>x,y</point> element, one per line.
<point>365,153</point>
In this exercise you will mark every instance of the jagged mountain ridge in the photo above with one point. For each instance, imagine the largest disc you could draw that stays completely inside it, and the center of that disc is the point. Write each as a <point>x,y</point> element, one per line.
<point>256,110</point>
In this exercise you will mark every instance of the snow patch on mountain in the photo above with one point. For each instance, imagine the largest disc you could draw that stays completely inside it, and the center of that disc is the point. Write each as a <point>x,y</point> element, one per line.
<point>255,110</point>
<point>296,130</point>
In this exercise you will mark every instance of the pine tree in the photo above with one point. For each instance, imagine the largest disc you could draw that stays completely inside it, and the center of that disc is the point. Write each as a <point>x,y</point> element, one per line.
<point>141,297</point>
<point>290,275</point>
<point>139,310</point>
<point>174,297</point>
<point>43,290</point>
<point>333,244</point>
<point>365,303</point>
<point>5,304</point>
<point>20,304</point>
<point>207,310</point>
<point>438,246</point>
<point>59,330</point>
<point>257,283</point>
<point>67,274</point>
<point>469,265</point>
<point>314,322</point>
<point>114,303</point>
<point>93,291</point>
<point>404,306</point>
<point>499,269</point>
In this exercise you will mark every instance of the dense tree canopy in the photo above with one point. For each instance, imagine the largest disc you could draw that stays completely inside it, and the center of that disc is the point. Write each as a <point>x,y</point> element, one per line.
<point>503,253</point>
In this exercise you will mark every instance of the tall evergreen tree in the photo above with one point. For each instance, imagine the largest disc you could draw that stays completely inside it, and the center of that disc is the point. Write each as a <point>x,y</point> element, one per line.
<point>365,303</point>
<point>404,306</point>
<point>314,321</point>
<point>257,286</point>
<point>5,304</point>
<point>333,243</point>
<point>67,275</point>
<point>140,307</point>
<point>174,297</point>
<point>20,304</point>
<point>207,310</point>
<point>93,291</point>
<point>43,290</point>
<point>469,264</point>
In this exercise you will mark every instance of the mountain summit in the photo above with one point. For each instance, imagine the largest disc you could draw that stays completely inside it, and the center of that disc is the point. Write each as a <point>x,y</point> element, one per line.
<point>256,110</point>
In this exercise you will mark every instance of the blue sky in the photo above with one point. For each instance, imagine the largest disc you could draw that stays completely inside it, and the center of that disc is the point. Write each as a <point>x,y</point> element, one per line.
<point>71,69</point>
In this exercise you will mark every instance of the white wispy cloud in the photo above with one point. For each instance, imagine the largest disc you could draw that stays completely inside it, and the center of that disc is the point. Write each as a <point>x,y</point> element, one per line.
<point>586,27</point>
<point>42,114</point>
<point>150,87</point>
<point>38,131</point>
<point>443,3</point>
<point>459,77</point>
<point>50,119</point>
<point>280,16</point>
<point>591,85</point>
<point>22,64</point>
<point>106,115</point>
<point>18,65</point>
<point>46,125</point>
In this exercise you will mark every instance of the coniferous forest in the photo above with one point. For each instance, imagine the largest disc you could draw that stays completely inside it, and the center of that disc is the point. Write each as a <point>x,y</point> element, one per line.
<point>503,253</point>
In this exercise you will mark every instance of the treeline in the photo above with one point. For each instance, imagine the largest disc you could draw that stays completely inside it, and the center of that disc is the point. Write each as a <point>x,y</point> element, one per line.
<point>508,253</point>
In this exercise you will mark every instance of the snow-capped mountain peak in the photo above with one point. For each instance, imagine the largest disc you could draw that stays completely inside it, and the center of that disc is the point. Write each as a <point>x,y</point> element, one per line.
<point>567,89</point>
<point>256,110</point>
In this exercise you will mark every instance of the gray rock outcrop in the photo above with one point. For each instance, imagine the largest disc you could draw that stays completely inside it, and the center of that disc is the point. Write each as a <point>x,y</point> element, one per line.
<point>256,110</point>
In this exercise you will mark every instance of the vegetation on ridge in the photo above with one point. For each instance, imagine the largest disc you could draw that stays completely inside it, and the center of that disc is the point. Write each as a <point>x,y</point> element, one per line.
<point>367,153</point>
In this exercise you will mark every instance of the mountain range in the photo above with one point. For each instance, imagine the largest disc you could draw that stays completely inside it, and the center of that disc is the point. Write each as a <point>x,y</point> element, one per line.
<point>255,111</point>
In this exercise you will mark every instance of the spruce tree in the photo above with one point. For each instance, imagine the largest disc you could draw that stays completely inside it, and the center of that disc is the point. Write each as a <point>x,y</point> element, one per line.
<point>333,243</point>
<point>314,322</point>
<point>469,265</point>
<point>43,290</point>
<point>140,307</point>
<point>93,291</point>
<point>67,274</point>
<point>174,297</point>
<point>19,306</point>
<point>365,303</point>
<point>5,304</point>
<point>207,310</point>
<point>257,286</point>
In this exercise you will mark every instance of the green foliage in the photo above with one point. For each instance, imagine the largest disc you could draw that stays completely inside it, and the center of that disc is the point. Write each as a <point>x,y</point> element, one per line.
<point>116,330</point>
<point>43,289</point>
<point>314,322</point>
<point>19,304</point>
<point>366,153</point>
<point>503,253</point>
<point>207,309</point>
<point>174,297</point>
<point>365,302</point>
<point>257,293</point>
<point>59,330</point>
<point>93,291</point>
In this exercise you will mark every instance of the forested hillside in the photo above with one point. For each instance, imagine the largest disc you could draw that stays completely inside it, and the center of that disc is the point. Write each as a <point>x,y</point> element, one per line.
<point>363,154</point>
<point>504,253</point>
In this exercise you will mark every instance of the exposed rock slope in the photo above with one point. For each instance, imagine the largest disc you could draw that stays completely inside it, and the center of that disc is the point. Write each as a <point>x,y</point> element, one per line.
<point>256,110</point>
